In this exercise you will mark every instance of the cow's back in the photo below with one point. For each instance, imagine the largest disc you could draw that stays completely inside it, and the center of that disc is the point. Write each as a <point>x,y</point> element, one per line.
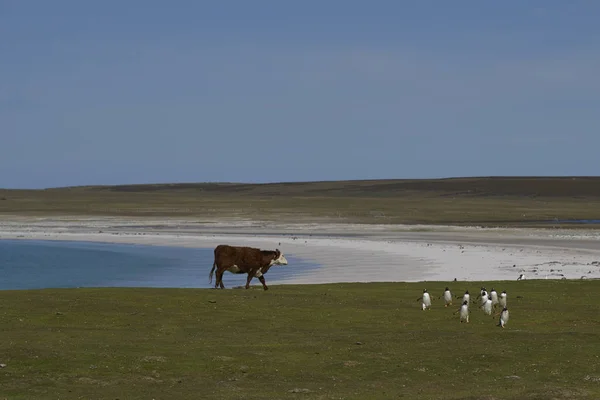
<point>242,256</point>
<point>224,252</point>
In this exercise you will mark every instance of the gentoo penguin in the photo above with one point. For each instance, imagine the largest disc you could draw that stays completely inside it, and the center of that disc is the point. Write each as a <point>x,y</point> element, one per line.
<point>426,304</point>
<point>466,297</point>
<point>464,312</point>
<point>447,297</point>
<point>494,297</point>
<point>482,292</point>
<point>487,306</point>
<point>503,317</point>
<point>484,298</point>
<point>502,299</point>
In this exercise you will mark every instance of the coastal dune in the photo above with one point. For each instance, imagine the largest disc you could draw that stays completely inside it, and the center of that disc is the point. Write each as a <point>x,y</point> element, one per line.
<point>352,253</point>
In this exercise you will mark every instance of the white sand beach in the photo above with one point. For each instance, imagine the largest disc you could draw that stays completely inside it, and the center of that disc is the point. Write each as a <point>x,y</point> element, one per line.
<point>351,252</point>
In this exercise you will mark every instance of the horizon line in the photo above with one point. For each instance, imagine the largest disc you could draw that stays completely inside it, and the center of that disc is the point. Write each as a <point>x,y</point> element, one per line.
<point>545,177</point>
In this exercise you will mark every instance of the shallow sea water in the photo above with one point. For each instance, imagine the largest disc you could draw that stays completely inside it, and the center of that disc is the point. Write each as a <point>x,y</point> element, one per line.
<point>37,264</point>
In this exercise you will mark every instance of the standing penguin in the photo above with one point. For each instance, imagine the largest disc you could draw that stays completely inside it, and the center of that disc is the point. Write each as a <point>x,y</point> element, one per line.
<point>464,312</point>
<point>426,304</point>
<point>487,306</point>
<point>494,297</point>
<point>482,292</point>
<point>447,297</point>
<point>484,298</point>
<point>503,317</point>
<point>466,297</point>
<point>502,299</point>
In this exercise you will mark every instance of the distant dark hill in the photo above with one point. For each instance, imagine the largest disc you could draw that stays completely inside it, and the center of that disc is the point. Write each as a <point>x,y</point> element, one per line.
<point>469,187</point>
<point>485,201</point>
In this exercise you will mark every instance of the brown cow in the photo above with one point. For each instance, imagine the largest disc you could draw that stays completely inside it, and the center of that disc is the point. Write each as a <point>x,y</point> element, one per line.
<point>242,260</point>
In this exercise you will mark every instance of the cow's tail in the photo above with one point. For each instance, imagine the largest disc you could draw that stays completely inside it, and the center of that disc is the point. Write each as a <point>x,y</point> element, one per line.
<point>211,272</point>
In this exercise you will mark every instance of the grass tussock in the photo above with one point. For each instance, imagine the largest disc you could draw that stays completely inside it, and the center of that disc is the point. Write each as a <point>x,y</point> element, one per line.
<point>350,341</point>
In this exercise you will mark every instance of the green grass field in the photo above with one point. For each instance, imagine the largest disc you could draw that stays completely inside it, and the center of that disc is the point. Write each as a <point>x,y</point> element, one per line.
<point>340,341</point>
<point>482,201</point>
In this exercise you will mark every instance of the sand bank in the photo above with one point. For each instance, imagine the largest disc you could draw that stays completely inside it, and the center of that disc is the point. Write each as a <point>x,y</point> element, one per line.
<point>350,252</point>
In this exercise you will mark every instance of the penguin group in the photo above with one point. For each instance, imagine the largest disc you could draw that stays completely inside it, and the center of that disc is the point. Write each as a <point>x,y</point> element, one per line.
<point>488,302</point>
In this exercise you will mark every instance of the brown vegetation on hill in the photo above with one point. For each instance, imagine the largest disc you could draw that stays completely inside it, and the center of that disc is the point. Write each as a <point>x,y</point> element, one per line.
<point>483,201</point>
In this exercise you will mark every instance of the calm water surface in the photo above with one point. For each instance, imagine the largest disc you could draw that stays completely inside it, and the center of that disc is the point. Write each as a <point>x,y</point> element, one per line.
<point>36,264</point>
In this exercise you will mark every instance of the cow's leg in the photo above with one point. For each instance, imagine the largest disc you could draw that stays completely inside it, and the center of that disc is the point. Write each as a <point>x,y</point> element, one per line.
<point>217,278</point>
<point>262,280</point>
<point>250,276</point>
<point>219,281</point>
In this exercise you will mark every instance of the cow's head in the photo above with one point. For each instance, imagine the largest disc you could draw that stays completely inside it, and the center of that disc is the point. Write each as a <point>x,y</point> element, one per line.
<point>279,258</point>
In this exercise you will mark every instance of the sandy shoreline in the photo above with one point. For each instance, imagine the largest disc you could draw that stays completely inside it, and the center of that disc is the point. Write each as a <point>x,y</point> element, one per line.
<point>349,252</point>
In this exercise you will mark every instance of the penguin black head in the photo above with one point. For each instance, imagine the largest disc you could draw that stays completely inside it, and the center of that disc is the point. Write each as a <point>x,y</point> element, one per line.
<point>467,292</point>
<point>424,290</point>
<point>493,290</point>
<point>504,309</point>
<point>504,291</point>
<point>447,288</point>
<point>465,303</point>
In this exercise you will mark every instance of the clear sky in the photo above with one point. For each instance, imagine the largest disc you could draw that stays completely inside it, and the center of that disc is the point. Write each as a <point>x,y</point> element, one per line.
<point>112,92</point>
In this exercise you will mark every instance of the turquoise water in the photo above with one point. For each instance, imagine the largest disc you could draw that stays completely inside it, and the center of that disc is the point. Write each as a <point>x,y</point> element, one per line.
<point>37,264</point>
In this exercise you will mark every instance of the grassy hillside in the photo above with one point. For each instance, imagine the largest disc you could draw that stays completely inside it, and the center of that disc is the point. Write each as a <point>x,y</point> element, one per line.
<point>484,201</point>
<point>350,341</point>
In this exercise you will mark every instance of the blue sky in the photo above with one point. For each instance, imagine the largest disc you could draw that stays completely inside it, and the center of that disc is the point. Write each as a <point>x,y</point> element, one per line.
<point>135,91</point>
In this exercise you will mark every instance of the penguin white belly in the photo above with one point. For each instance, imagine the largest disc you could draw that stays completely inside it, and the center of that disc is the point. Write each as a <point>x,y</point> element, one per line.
<point>494,298</point>
<point>503,318</point>
<point>426,300</point>
<point>502,301</point>
<point>487,307</point>
<point>448,297</point>
<point>484,299</point>
<point>467,298</point>
<point>464,313</point>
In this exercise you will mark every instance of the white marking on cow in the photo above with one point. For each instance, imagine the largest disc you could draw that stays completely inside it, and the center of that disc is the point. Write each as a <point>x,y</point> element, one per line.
<point>234,269</point>
<point>281,260</point>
